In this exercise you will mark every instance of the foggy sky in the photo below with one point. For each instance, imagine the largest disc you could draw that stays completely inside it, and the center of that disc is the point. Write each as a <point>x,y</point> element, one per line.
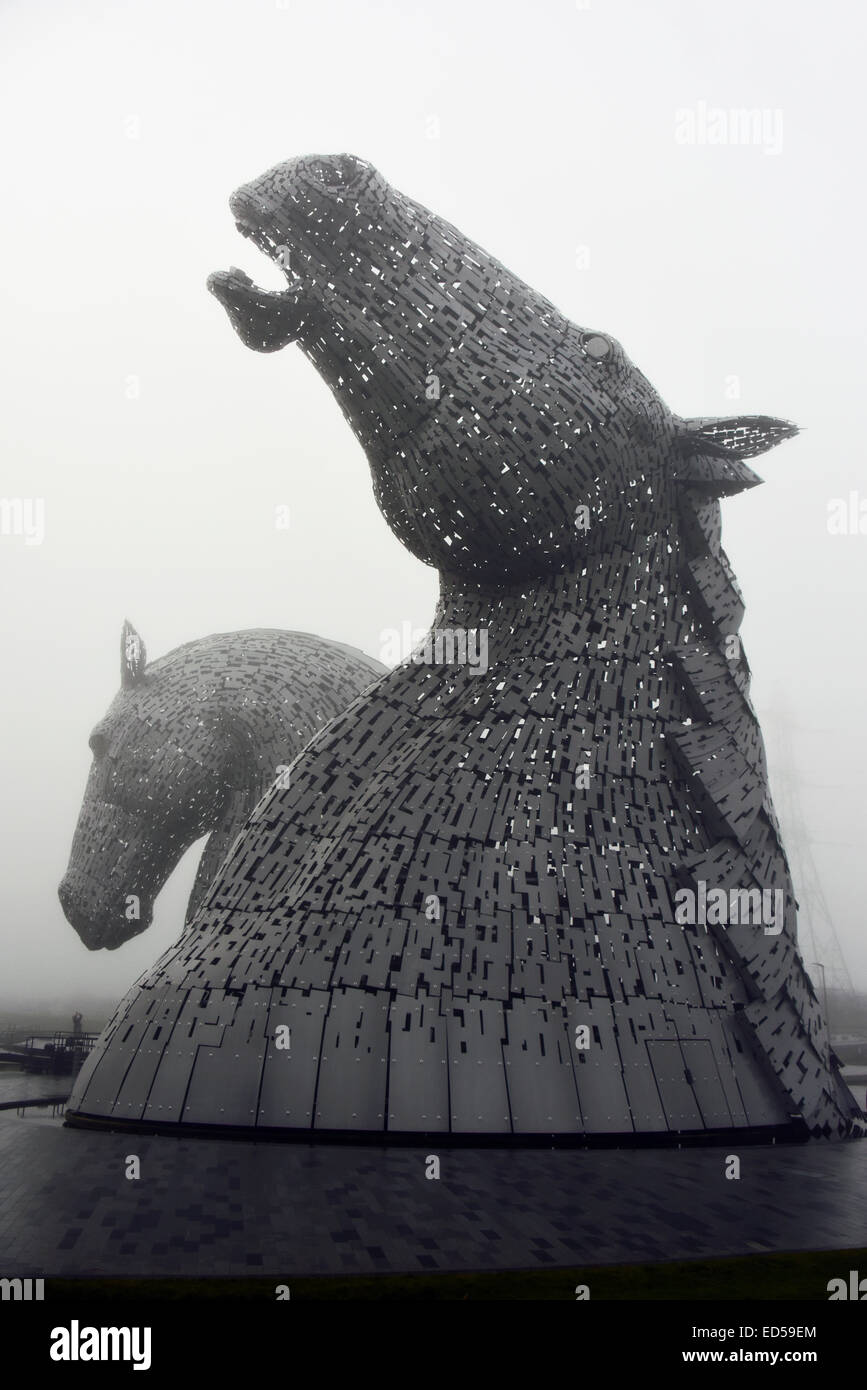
<point>161,447</point>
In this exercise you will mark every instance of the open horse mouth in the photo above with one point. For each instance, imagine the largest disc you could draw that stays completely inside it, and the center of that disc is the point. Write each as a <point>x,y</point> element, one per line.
<point>296,214</point>
<point>248,222</point>
<point>265,319</point>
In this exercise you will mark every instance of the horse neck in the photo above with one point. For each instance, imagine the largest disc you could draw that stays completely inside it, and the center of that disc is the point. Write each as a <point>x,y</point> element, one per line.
<point>250,742</point>
<point>617,607</point>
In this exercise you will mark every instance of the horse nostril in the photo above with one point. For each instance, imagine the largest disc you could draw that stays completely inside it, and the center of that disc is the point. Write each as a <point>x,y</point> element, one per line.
<point>337,171</point>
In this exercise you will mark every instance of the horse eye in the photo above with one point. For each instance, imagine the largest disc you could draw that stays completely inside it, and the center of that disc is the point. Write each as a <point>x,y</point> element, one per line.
<point>595,346</point>
<point>98,745</point>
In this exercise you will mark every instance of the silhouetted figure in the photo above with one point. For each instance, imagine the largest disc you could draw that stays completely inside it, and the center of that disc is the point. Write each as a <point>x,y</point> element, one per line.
<point>76,1022</point>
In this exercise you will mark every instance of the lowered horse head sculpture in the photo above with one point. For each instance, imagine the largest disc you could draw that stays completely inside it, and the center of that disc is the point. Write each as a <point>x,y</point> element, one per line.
<point>543,897</point>
<point>186,749</point>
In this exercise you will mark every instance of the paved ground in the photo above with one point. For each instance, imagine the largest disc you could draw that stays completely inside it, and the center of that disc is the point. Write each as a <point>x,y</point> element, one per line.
<point>221,1208</point>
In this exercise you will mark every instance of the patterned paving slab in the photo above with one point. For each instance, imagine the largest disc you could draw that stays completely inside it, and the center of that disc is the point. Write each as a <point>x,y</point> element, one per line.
<point>220,1208</point>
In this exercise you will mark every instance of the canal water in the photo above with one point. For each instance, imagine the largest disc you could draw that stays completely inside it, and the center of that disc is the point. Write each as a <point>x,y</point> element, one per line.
<point>22,1085</point>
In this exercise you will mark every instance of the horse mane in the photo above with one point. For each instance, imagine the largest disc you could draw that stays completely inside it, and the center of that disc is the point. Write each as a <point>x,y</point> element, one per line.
<point>721,752</point>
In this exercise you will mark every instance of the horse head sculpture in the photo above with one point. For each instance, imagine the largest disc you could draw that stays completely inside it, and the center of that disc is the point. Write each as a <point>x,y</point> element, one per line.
<point>185,749</point>
<point>466,908</point>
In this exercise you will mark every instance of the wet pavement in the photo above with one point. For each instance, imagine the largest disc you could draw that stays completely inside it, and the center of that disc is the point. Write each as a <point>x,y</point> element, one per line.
<point>215,1207</point>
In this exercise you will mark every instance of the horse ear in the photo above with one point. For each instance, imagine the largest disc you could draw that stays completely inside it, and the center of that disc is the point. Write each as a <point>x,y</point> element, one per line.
<point>133,656</point>
<point>713,451</point>
<point>739,437</point>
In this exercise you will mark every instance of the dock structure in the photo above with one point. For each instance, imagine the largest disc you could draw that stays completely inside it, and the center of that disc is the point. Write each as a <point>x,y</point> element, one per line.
<point>59,1052</point>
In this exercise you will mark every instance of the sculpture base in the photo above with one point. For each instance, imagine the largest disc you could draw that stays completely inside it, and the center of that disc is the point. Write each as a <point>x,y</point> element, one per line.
<point>794,1133</point>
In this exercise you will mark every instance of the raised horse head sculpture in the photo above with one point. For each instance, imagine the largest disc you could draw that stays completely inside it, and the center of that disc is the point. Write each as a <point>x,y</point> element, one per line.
<point>471,907</point>
<point>186,749</point>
